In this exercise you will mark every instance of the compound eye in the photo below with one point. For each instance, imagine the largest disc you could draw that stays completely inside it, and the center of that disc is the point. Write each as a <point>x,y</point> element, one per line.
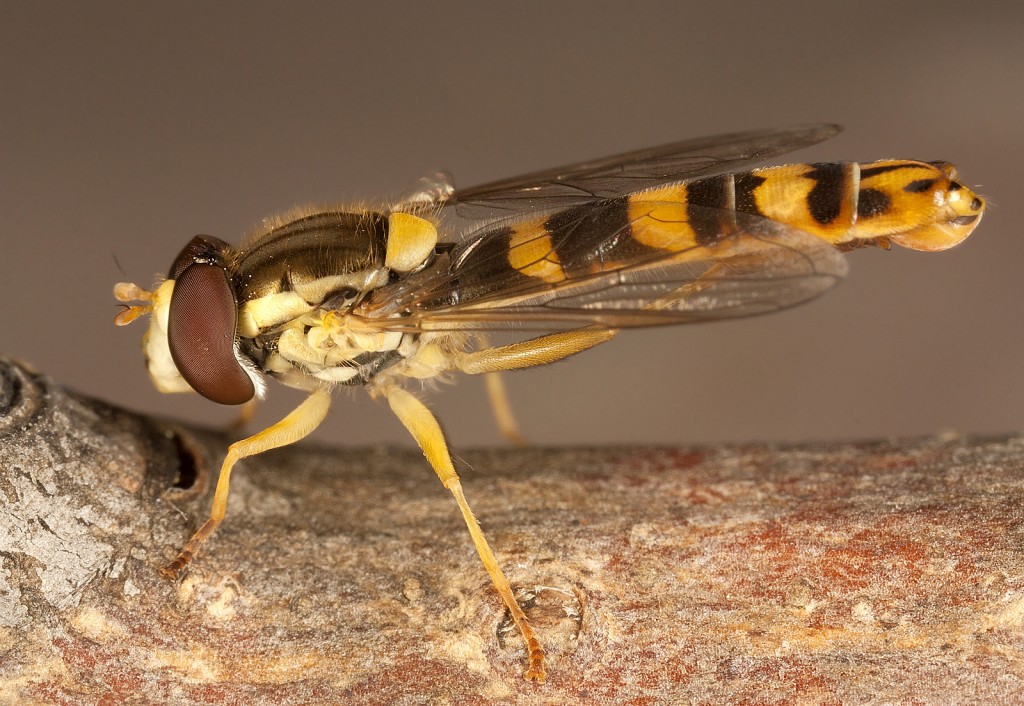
<point>201,326</point>
<point>202,248</point>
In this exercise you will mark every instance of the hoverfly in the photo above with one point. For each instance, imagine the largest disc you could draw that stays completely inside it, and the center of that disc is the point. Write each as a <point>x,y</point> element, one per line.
<point>683,233</point>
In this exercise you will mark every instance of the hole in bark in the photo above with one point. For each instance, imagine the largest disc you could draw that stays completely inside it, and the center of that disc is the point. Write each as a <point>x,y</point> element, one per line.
<point>189,463</point>
<point>20,396</point>
<point>556,612</point>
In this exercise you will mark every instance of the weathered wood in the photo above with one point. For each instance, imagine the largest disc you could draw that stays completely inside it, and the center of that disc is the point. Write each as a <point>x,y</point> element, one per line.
<point>883,572</point>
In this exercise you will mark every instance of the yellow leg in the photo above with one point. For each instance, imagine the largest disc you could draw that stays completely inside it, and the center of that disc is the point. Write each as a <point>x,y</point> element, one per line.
<point>424,428</point>
<point>503,415</point>
<point>299,423</point>
<point>536,351</point>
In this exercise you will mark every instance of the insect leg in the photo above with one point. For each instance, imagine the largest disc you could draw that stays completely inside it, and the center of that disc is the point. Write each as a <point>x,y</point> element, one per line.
<point>500,407</point>
<point>300,422</point>
<point>536,351</point>
<point>423,426</point>
<point>503,415</point>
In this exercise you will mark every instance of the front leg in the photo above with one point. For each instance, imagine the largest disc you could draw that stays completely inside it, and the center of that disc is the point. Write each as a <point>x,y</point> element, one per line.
<point>299,423</point>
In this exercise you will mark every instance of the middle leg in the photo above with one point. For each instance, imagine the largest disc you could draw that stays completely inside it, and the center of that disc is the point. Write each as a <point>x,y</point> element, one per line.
<point>423,426</point>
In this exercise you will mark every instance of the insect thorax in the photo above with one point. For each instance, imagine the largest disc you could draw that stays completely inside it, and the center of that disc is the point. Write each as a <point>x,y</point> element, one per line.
<point>297,286</point>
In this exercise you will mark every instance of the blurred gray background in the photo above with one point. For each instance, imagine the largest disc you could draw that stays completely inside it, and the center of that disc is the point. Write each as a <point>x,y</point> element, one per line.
<point>127,128</point>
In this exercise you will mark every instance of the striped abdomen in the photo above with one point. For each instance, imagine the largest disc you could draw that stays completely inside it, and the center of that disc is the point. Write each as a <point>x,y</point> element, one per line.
<point>918,205</point>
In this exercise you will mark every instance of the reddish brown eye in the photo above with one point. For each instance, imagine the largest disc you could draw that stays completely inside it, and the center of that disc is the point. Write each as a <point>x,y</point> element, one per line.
<point>201,327</point>
<point>202,248</point>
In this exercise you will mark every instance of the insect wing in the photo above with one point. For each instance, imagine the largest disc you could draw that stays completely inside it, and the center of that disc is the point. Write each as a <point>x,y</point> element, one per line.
<point>583,267</point>
<point>553,249</point>
<point>468,210</point>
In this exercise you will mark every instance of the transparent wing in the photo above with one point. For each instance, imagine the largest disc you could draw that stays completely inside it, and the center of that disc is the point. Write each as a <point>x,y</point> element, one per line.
<point>591,269</point>
<point>468,210</point>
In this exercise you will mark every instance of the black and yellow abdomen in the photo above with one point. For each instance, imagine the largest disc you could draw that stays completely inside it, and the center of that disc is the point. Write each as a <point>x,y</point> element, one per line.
<point>918,205</point>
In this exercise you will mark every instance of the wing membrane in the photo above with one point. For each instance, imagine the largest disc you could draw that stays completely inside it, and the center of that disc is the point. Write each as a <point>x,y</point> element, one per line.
<point>557,249</point>
<point>754,266</point>
<point>544,191</point>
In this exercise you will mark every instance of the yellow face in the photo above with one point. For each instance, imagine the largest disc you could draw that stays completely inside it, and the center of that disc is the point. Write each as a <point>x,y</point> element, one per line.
<point>159,363</point>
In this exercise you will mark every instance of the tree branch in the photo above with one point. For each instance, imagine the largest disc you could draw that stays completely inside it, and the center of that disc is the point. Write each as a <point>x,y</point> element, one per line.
<point>757,573</point>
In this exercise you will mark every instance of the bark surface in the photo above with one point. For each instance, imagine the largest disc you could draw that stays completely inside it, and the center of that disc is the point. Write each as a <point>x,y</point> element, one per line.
<point>830,573</point>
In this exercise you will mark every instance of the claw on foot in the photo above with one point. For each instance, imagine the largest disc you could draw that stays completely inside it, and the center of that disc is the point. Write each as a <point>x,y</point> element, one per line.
<point>535,672</point>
